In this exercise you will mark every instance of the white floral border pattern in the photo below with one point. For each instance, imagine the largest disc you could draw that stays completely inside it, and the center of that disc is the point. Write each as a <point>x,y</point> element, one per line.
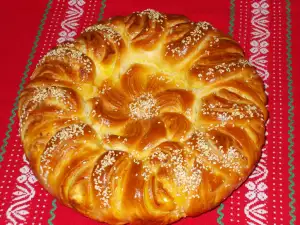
<point>23,194</point>
<point>71,22</point>
<point>256,208</point>
<point>260,34</point>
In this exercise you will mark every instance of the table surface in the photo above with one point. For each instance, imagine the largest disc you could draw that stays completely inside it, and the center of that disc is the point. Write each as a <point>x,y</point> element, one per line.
<point>30,28</point>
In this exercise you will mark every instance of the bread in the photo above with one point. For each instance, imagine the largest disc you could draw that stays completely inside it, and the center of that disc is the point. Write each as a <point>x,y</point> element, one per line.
<point>143,119</point>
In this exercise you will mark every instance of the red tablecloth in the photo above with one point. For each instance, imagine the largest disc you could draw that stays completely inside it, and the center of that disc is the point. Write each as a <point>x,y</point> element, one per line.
<point>266,29</point>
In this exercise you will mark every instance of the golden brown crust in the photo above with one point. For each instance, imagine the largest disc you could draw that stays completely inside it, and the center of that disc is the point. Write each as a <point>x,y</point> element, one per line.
<point>146,119</point>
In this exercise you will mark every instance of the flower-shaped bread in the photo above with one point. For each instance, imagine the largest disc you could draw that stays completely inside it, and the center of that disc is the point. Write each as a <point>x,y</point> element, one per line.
<point>146,107</point>
<point>147,118</point>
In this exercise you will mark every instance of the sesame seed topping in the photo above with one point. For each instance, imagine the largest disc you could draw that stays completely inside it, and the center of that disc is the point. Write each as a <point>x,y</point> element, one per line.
<point>189,181</point>
<point>210,73</point>
<point>39,95</point>
<point>189,40</point>
<point>196,34</point>
<point>105,87</point>
<point>108,32</point>
<point>66,45</point>
<point>214,42</point>
<point>64,134</point>
<point>108,160</point>
<point>146,171</point>
<point>230,159</point>
<point>104,191</point>
<point>214,154</point>
<point>160,156</point>
<point>153,15</point>
<point>144,107</point>
<point>236,111</point>
<point>61,53</point>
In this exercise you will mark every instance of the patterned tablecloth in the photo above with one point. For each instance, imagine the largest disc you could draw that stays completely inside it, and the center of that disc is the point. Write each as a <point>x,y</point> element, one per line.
<point>267,31</point>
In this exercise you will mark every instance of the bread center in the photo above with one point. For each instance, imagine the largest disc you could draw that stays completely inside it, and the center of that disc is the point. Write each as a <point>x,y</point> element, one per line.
<point>144,107</point>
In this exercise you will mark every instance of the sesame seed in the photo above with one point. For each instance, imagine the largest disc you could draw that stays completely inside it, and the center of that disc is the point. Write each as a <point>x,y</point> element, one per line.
<point>62,52</point>
<point>188,180</point>
<point>152,15</point>
<point>144,107</point>
<point>211,72</point>
<point>236,111</point>
<point>191,39</point>
<point>104,88</point>
<point>108,32</point>
<point>229,160</point>
<point>39,95</point>
<point>104,191</point>
<point>64,134</point>
<point>146,172</point>
<point>161,156</point>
